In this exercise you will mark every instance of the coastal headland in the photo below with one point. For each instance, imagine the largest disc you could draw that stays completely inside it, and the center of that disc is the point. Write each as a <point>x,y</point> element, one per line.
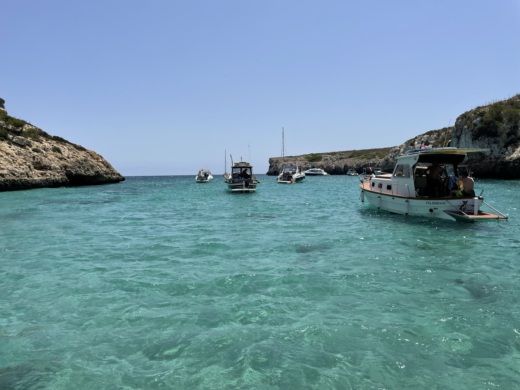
<point>495,127</point>
<point>32,158</point>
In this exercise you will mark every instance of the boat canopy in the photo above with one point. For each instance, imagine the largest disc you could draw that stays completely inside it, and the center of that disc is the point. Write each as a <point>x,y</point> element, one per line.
<point>241,164</point>
<point>453,156</point>
<point>454,159</point>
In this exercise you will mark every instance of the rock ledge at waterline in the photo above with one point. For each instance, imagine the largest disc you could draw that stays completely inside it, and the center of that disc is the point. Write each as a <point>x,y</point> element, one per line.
<point>32,158</point>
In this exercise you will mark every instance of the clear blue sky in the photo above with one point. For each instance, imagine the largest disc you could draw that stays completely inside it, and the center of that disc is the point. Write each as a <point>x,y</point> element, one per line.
<point>163,87</point>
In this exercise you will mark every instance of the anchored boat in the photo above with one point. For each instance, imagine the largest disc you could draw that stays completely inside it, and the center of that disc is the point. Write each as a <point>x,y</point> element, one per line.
<point>425,183</point>
<point>315,172</point>
<point>203,176</point>
<point>290,174</point>
<point>242,178</point>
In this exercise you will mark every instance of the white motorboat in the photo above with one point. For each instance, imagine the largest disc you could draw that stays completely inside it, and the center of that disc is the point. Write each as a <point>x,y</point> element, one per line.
<point>315,172</point>
<point>290,174</point>
<point>242,178</point>
<point>352,172</point>
<point>203,176</point>
<point>422,185</point>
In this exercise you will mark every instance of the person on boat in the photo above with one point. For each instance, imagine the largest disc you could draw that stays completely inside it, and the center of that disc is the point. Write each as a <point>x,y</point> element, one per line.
<point>453,180</point>
<point>435,180</point>
<point>467,184</point>
<point>245,175</point>
<point>425,145</point>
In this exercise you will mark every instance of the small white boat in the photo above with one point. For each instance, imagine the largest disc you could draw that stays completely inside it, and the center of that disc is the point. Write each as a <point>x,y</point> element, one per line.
<point>242,178</point>
<point>315,172</point>
<point>203,176</point>
<point>422,185</point>
<point>290,174</point>
<point>352,172</point>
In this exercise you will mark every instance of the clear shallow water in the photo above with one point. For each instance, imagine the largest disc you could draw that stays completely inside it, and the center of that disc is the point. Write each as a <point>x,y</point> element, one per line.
<point>163,283</point>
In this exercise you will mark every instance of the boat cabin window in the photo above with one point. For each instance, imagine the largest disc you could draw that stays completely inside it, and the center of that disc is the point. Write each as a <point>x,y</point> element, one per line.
<point>402,170</point>
<point>241,172</point>
<point>434,179</point>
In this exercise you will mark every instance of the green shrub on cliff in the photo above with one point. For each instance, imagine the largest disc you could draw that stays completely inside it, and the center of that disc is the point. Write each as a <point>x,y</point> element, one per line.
<point>368,154</point>
<point>498,120</point>
<point>32,133</point>
<point>9,120</point>
<point>3,133</point>
<point>313,157</point>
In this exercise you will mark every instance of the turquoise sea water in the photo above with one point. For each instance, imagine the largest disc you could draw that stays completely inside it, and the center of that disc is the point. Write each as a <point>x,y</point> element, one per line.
<point>160,283</point>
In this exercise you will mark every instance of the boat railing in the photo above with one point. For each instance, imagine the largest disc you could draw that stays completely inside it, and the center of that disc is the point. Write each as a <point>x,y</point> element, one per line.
<point>495,210</point>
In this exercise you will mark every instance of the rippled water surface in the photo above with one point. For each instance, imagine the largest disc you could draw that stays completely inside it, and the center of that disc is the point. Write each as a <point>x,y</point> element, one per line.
<point>160,283</point>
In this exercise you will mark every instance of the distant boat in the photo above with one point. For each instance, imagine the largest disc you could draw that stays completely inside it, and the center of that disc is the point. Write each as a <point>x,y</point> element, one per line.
<point>227,175</point>
<point>352,172</point>
<point>424,184</point>
<point>242,178</point>
<point>315,172</point>
<point>203,176</point>
<point>290,174</point>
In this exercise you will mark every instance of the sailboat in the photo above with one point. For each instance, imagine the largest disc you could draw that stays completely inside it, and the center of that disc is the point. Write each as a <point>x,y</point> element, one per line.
<point>227,175</point>
<point>290,173</point>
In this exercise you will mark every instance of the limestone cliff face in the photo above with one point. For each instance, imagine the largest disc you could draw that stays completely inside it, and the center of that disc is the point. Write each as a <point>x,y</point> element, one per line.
<point>495,127</point>
<point>31,158</point>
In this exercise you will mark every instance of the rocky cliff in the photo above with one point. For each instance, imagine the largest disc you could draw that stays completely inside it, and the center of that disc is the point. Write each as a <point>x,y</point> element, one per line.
<point>31,158</point>
<point>334,163</point>
<point>495,127</point>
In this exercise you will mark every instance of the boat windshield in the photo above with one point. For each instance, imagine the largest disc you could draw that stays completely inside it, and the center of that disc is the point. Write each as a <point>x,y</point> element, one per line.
<point>241,172</point>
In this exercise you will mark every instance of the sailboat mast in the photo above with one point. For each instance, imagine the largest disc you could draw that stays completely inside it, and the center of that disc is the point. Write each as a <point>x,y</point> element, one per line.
<point>283,142</point>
